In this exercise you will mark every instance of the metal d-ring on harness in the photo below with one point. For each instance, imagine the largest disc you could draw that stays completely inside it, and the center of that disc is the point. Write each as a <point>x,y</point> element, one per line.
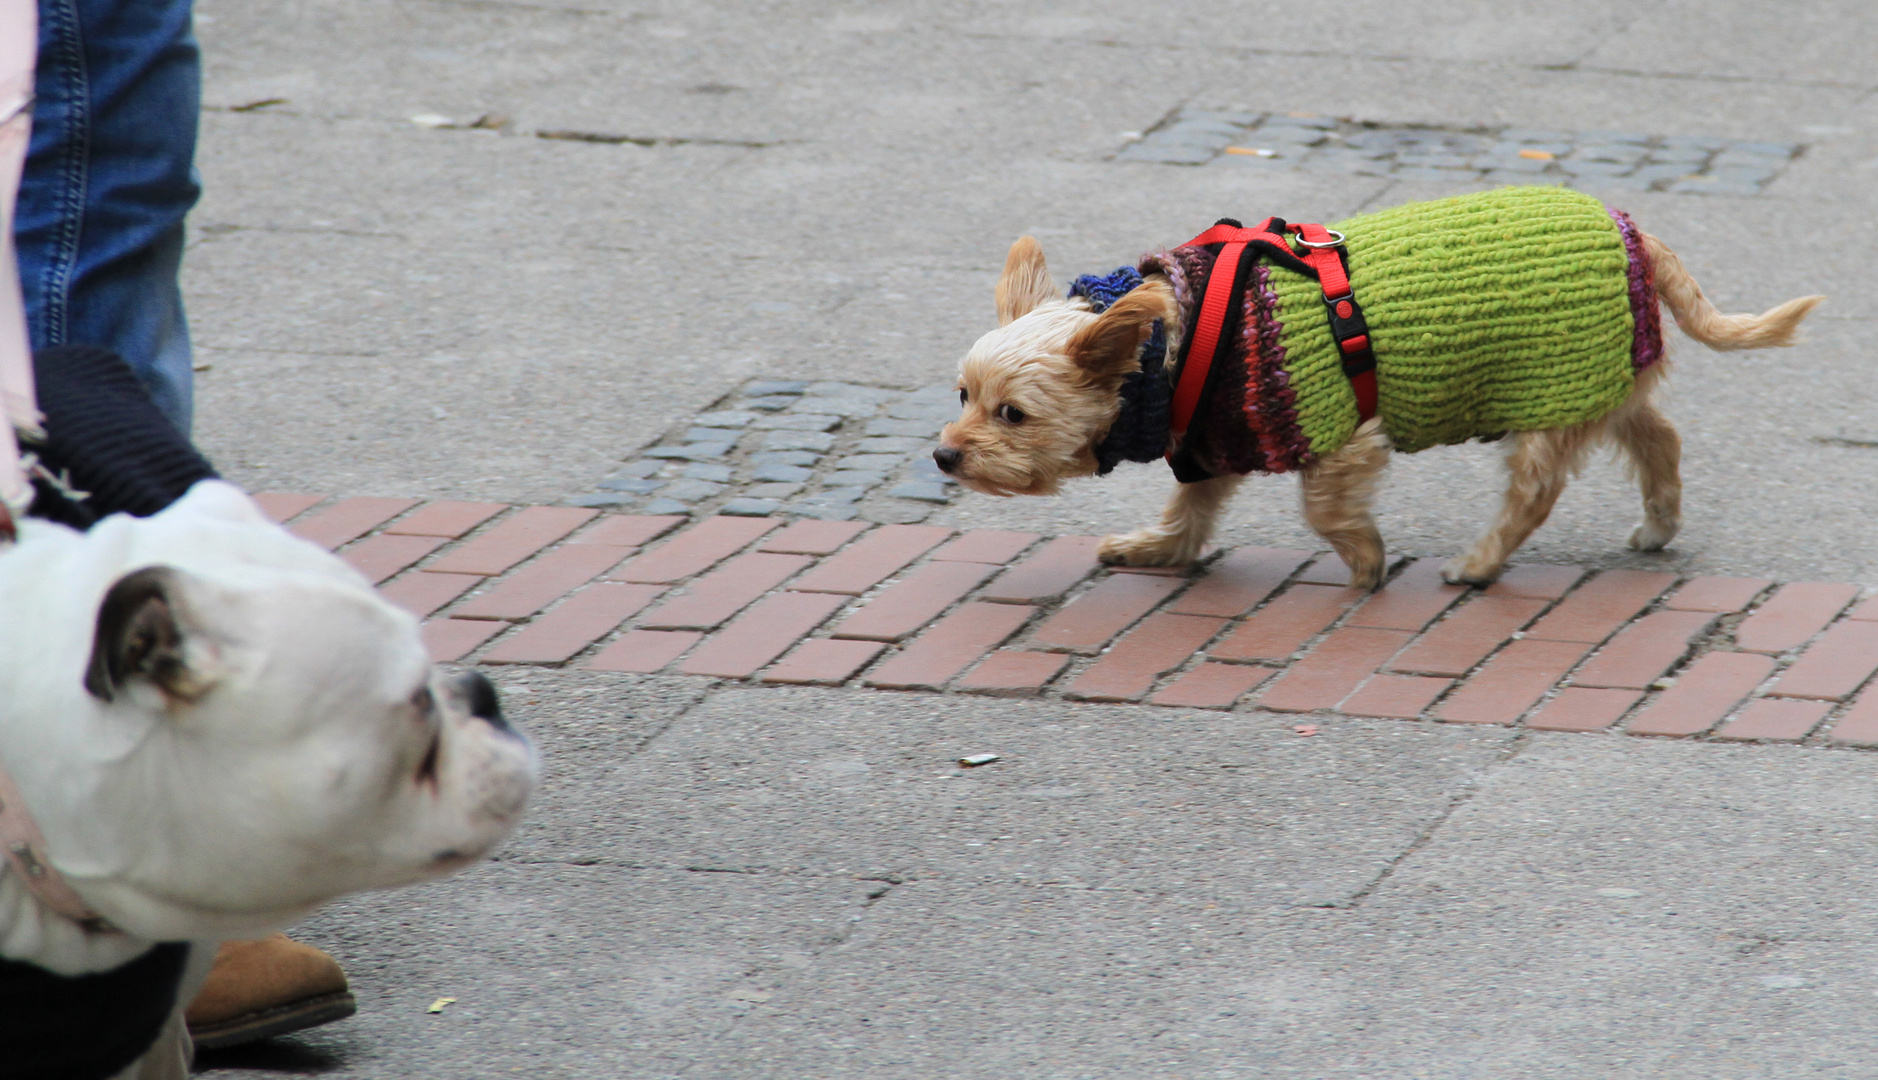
<point>1323,259</point>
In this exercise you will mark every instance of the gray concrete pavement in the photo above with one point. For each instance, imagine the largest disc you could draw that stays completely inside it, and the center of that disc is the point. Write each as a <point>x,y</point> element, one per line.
<point>731,882</point>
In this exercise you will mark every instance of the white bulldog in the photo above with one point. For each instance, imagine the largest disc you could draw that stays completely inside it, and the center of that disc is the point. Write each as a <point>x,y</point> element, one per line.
<point>218,727</point>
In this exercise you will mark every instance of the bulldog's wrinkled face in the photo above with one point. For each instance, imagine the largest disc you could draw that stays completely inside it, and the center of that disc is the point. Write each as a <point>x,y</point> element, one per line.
<point>1038,393</point>
<point>281,738</point>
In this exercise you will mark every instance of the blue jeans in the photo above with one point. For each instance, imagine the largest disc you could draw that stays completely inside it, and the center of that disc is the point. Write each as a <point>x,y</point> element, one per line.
<point>109,177</point>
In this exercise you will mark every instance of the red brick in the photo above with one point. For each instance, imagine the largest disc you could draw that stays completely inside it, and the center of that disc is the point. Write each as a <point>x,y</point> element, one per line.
<point>872,559</point>
<point>1512,681</point>
<point>1333,669</point>
<point>986,546</point>
<point>1327,570</point>
<point>511,540</point>
<point>1013,672</point>
<point>424,592</point>
<point>541,582</point>
<point>579,621</point>
<point>1721,595</point>
<point>952,644</point>
<point>627,530</point>
<point>453,639</point>
<point>1833,667</point>
<point>1455,644</point>
<point>1792,616</point>
<point>1859,725</point>
<point>1279,628</point>
<point>1089,621</point>
<point>446,519</point>
<point>1048,574</point>
<point>1395,697</point>
<point>1411,600</point>
<point>1239,581</point>
<point>725,591</point>
<point>1160,644</point>
<point>379,557</point>
<point>1645,650</point>
<point>1601,605</point>
<point>913,601</point>
<point>1706,691</point>
<point>1580,708</point>
<point>812,537</point>
<point>643,651</point>
<point>761,634</point>
<point>1866,611</point>
<point>698,548</point>
<point>1536,581</point>
<point>1213,686</point>
<point>823,661</point>
<point>348,519</point>
<point>282,505</point>
<point>1780,719</point>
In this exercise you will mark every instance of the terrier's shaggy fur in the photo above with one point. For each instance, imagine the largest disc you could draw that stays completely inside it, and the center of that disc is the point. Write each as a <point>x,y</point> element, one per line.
<point>1041,391</point>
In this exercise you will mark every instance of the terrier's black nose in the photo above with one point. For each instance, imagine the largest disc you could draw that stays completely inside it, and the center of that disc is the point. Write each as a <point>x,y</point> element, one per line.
<point>948,458</point>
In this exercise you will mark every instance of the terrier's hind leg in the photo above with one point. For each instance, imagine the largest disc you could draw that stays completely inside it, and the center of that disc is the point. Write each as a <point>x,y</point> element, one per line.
<point>1538,465</point>
<point>1186,525</point>
<point>1336,492</point>
<point>1654,452</point>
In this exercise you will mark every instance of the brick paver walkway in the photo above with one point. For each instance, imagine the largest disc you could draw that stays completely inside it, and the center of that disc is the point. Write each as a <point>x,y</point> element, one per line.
<point>920,607</point>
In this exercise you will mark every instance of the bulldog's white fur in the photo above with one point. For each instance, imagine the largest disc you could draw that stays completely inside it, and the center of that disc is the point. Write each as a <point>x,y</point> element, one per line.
<point>216,747</point>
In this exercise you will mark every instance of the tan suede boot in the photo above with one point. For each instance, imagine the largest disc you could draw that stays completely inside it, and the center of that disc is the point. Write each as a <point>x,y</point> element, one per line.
<point>268,987</point>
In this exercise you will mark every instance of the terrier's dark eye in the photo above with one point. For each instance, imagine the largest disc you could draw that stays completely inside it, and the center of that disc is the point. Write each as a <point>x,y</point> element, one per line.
<point>964,398</point>
<point>1010,414</point>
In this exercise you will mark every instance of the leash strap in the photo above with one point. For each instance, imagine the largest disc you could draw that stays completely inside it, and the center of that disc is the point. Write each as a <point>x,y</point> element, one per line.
<point>1323,259</point>
<point>21,843</point>
<point>25,850</point>
<point>18,44</point>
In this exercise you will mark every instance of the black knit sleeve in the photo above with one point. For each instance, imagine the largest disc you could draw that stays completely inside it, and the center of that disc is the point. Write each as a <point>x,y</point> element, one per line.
<point>106,437</point>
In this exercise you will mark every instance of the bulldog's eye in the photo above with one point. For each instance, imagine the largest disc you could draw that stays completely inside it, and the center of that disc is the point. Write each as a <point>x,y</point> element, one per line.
<point>423,702</point>
<point>964,398</point>
<point>1010,414</point>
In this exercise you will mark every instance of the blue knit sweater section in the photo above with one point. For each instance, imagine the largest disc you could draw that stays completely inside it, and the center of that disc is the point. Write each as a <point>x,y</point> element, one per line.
<point>1140,429</point>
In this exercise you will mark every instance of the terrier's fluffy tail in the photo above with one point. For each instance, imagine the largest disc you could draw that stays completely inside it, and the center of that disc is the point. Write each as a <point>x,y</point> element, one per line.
<point>1699,319</point>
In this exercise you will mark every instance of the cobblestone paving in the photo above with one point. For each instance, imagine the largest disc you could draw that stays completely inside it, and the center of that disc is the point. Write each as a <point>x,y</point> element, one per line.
<point>919,607</point>
<point>826,450</point>
<point>1598,160</point>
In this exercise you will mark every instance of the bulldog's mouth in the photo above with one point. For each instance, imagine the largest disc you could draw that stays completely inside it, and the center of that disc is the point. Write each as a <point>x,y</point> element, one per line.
<point>427,768</point>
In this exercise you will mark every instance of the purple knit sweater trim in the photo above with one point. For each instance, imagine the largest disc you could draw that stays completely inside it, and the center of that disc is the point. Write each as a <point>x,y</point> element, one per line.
<point>1646,346</point>
<point>1271,406</point>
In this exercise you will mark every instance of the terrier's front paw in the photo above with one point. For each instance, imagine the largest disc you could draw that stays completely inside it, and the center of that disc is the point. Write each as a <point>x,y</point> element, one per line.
<point>1465,570</point>
<point>1652,535</point>
<point>1149,547</point>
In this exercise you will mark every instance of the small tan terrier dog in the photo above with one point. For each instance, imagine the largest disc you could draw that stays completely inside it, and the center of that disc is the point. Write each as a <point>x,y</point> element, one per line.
<point>1528,313</point>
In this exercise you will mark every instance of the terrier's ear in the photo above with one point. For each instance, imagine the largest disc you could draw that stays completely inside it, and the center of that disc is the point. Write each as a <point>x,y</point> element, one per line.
<point>1026,281</point>
<point>140,637</point>
<point>1110,347</point>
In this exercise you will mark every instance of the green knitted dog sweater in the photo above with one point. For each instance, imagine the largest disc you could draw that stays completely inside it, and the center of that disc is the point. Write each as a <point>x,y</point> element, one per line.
<point>1511,310</point>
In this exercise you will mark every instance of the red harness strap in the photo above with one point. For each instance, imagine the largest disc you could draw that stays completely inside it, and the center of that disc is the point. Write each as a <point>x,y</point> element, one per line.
<point>1212,318</point>
<point>1323,252</point>
<point>1321,257</point>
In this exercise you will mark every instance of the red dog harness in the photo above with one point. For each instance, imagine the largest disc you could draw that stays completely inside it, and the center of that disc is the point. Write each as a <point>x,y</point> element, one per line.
<point>1324,259</point>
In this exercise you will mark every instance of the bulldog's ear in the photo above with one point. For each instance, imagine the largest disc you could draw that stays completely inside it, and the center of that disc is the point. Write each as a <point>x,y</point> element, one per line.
<point>1110,347</point>
<point>1026,281</point>
<point>139,637</point>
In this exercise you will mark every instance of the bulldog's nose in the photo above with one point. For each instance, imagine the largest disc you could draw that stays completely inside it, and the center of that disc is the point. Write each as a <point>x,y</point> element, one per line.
<point>481,697</point>
<point>948,458</point>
